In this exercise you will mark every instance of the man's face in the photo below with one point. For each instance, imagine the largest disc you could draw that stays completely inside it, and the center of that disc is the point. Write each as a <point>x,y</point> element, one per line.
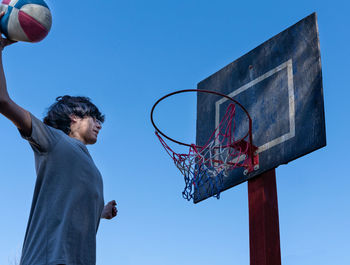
<point>85,129</point>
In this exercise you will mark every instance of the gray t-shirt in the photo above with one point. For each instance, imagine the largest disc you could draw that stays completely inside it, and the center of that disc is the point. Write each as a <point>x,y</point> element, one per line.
<point>67,201</point>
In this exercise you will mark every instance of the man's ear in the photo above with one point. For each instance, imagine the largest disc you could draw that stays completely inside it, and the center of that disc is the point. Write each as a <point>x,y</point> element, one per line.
<point>74,118</point>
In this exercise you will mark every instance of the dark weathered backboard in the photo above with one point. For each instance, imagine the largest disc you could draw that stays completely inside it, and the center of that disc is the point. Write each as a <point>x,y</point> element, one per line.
<point>280,84</point>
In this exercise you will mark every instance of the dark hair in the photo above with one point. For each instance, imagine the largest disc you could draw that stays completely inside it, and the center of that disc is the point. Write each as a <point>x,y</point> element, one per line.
<point>58,114</point>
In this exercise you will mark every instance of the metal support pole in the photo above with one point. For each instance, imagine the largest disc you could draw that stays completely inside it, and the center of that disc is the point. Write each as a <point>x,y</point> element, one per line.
<point>264,238</point>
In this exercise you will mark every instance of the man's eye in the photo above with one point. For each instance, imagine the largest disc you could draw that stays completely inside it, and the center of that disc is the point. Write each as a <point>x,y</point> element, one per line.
<point>96,120</point>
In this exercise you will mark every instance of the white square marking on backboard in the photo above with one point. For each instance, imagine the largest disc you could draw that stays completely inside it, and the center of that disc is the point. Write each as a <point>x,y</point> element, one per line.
<point>289,65</point>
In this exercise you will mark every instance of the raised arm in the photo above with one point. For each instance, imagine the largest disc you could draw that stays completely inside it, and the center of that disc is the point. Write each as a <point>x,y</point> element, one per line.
<point>19,116</point>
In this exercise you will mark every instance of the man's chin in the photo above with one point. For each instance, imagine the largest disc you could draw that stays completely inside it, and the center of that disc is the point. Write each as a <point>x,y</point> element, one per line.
<point>92,140</point>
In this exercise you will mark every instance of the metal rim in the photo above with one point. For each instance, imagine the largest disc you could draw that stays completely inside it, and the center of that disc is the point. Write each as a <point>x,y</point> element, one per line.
<point>201,91</point>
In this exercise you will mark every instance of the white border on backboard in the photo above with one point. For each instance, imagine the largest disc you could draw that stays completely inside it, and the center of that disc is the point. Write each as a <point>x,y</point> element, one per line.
<point>289,65</point>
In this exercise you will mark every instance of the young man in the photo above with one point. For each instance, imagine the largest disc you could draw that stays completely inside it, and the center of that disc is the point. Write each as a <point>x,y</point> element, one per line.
<point>68,197</point>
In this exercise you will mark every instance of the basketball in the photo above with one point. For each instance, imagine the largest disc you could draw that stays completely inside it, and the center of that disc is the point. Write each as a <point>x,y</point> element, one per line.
<point>25,20</point>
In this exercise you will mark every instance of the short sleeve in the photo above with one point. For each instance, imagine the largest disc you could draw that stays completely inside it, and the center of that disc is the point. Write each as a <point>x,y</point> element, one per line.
<point>43,137</point>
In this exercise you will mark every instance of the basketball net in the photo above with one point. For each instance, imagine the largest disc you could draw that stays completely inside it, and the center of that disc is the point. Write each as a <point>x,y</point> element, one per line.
<point>206,167</point>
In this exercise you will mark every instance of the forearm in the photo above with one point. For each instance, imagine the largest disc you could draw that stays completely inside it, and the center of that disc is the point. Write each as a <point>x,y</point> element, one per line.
<point>3,88</point>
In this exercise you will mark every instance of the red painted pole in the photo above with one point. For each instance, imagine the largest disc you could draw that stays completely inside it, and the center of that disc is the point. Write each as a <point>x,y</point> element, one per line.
<point>264,236</point>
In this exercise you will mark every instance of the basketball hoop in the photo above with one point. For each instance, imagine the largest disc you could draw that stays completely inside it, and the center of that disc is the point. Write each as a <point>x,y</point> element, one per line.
<point>209,164</point>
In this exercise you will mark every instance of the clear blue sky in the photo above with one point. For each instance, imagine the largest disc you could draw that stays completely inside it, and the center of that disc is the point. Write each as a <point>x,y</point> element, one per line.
<point>125,55</point>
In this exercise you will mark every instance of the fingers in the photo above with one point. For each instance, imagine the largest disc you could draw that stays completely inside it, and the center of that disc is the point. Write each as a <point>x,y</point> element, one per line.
<point>8,42</point>
<point>112,209</point>
<point>1,15</point>
<point>114,212</point>
<point>5,42</point>
<point>112,203</point>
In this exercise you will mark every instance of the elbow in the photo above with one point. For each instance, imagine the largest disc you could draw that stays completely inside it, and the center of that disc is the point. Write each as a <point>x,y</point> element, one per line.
<point>3,104</point>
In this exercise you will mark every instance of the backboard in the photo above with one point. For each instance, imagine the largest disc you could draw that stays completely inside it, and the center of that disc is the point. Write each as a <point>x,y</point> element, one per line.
<point>280,84</point>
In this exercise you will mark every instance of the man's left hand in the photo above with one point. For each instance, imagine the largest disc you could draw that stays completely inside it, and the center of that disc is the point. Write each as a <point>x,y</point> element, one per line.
<point>110,210</point>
